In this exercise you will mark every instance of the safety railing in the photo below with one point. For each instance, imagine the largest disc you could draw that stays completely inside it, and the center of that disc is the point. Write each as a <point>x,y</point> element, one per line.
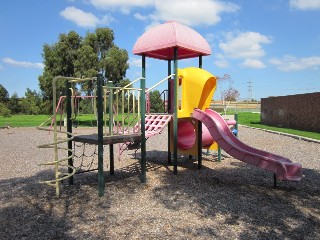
<point>123,105</point>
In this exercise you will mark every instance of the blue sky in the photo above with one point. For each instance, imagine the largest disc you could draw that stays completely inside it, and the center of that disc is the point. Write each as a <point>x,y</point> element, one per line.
<point>269,48</point>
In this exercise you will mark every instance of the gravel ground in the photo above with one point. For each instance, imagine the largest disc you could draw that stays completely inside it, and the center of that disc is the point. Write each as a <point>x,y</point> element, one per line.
<point>226,200</point>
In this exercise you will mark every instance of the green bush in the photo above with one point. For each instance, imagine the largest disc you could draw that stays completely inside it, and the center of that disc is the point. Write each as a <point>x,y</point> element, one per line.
<point>4,111</point>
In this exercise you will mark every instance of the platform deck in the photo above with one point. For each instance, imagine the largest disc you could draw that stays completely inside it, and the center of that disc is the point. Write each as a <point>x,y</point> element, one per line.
<point>93,138</point>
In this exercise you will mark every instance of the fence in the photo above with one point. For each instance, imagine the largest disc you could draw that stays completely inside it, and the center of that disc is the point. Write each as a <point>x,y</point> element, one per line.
<point>236,106</point>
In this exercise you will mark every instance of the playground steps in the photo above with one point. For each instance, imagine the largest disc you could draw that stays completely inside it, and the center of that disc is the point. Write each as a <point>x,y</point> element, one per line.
<point>154,125</point>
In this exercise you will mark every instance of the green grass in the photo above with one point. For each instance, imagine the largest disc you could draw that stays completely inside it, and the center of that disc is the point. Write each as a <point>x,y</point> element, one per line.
<point>84,120</point>
<point>253,120</point>
<point>245,118</point>
<point>23,120</point>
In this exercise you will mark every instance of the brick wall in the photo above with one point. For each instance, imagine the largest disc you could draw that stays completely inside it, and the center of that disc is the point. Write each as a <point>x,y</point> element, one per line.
<point>301,112</point>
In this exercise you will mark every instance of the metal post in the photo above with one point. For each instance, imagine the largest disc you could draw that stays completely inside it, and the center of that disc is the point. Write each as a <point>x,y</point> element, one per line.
<point>175,113</point>
<point>111,130</point>
<point>101,183</point>
<point>274,180</point>
<point>200,130</point>
<point>219,154</point>
<point>236,126</point>
<point>143,162</point>
<point>168,110</point>
<point>110,84</point>
<point>69,128</point>
<point>111,152</point>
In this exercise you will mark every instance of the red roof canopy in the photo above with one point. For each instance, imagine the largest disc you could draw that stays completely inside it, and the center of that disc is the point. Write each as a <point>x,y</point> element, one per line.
<point>159,42</point>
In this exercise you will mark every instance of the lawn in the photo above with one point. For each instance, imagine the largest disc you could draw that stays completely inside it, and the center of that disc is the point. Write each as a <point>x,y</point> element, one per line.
<point>23,120</point>
<point>244,118</point>
<point>87,120</point>
<point>253,120</point>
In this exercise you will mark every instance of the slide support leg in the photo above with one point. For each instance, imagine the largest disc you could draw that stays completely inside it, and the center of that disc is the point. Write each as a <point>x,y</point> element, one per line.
<point>219,154</point>
<point>274,180</point>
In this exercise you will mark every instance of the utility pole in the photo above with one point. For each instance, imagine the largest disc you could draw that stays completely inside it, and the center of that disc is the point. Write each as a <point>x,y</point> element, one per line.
<point>250,91</point>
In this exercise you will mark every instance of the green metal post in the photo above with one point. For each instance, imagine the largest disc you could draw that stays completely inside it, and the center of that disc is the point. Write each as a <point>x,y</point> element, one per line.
<point>175,113</point>
<point>143,176</point>
<point>219,154</point>
<point>69,128</point>
<point>236,126</point>
<point>101,183</point>
<point>200,130</point>
<point>111,152</point>
<point>168,110</point>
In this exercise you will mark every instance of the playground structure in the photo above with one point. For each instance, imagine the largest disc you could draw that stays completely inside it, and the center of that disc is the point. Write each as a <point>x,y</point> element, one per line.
<point>191,125</point>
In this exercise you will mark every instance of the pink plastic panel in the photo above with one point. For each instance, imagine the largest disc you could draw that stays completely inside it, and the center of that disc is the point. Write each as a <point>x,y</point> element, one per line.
<point>154,124</point>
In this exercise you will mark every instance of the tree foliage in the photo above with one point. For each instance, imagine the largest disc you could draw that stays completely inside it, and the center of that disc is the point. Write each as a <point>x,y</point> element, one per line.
<point>4,98</point>
<point>231,94</point>
<point>59,60</point>
<point>31,103</point>
<point>14,104</point>
<point>4,95</point>
<point>228,93</point>
<point>4,110</point>
<point>156,102</point>
<point>75,56</point>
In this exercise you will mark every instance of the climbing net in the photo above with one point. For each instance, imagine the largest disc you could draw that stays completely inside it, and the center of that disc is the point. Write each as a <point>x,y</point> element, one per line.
<point>84,157</point>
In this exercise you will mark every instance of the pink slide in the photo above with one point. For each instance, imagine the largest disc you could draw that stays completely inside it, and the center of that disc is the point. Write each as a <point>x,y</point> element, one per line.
<point>283,168</point>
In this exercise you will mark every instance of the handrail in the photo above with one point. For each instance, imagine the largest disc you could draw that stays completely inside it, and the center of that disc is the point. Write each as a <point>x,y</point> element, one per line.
<point>149,89</point>
<point>140,78</point>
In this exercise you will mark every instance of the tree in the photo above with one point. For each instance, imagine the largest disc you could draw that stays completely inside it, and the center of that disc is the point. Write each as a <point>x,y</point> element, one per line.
<point>231,94</point>
<point>4,95</point>
<point>74,56</point>
<point>31,103</point>
<point>116,64</point>
<point>156,102</point>
<point>14,104</point>
<point>4,110</point>
<point>59,59</point>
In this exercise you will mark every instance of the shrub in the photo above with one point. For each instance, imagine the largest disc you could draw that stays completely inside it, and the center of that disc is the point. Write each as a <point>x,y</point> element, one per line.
<point>4,111</point>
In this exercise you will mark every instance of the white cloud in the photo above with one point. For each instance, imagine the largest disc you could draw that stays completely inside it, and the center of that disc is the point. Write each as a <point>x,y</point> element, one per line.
<point>189,12</point>
<point>290,63</point>
<point>84,19</point>
<point>13,62</point>
<point>222,63</point>
<point>192,13</point>
<point>106,20</point>
<point>124,5</point>
<point>253,63</point>
<point>135,62</point>
<point>140,16</point>
<point>305,4</point>
<point>244,45</point>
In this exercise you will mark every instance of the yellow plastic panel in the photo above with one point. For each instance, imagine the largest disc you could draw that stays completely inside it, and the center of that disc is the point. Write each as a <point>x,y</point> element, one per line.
<point>195,90</point>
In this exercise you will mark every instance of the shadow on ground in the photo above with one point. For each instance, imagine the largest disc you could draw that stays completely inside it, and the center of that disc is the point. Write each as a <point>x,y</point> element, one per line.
<point>224,200</point>
<point>240,196</point>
